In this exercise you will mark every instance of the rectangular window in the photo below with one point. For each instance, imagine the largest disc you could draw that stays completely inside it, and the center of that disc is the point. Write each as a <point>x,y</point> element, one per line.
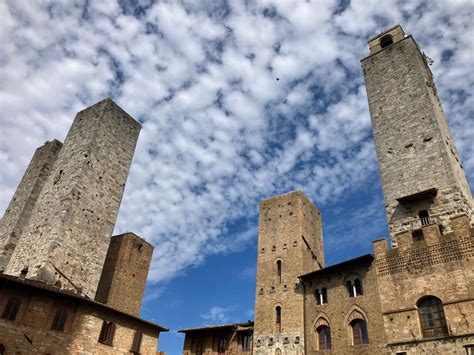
<point>137,342</point>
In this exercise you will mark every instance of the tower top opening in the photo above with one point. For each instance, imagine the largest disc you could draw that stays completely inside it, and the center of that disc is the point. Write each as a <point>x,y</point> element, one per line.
<point>386,38</point>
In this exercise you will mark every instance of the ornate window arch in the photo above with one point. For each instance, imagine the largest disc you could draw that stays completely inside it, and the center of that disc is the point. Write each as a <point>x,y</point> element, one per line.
<point>323,333</point>
<point>321,295</point>
<point>357,326</point>
<point>432,319</point>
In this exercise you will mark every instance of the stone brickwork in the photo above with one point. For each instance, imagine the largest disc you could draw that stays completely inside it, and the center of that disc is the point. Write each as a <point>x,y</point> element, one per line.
<point>415,149</point>
<point>290,233</point>
<point>18,212</point>
<point>124,275</point>
<point>444,270</point>
<point>341,309</point>
<point>31,331</point>
<point>66,241</point>
<point>207,339</point>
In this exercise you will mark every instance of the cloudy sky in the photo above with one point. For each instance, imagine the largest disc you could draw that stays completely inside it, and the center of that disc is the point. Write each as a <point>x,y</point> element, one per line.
<point>239,101</point>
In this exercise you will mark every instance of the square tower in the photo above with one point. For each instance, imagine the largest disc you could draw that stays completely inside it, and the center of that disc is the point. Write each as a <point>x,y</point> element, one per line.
<point>290,244</point>
<point>422,176</point>
<point>18,213</point>
<point>67,237</point>
<point>123,278</point>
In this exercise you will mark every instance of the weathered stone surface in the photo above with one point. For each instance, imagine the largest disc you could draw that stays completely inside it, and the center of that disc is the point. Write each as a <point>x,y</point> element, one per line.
<point>18,212</point>
<point>66,240</point>
<point>415,149</point>
<point>123,278</point>
<point>31,333</point>
<point>290,231</point>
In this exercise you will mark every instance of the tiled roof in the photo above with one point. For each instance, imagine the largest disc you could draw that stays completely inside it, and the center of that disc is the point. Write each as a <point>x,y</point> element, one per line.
<point>53,289</point>
<point>248,324</point>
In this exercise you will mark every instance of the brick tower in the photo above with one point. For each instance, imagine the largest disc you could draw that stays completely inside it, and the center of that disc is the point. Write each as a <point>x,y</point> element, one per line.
<point>123,278</point>
<point>66,240</point>
<point>422,176</point>
<point>18,212</point>
<point>290,244</point>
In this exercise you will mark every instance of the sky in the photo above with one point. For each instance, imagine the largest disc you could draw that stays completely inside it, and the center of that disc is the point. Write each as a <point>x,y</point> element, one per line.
<point>239,101</point>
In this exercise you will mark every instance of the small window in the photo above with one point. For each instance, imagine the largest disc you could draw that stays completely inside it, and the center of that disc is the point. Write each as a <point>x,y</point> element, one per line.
<point>246,342</point>
<point>221,346</point>
<point>386,40</point>
<point>278,318</point>
<point>321,296</point>
<point>469,349</point>
<point>324,337</point>
<point>59,320</point>
<point>424,217</point>
<point>417,235</point>
<point>279,270</point>
<point>137,342</point>
<point>354,287</point>
<point>358,287</point>
<point>199,347</point>
<point>2,349</point>
<point>432,319</point>
<point>107,333</point>
<point>12,308</point>
<point>359,332</point>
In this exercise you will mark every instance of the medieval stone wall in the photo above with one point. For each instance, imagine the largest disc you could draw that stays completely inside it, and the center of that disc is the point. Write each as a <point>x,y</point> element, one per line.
<point>31,333</point>
<point>18,213</point>
<point>210,339</point>
<point>125,271</point>
<point>66,241</point>
<point>290,232</point>
<point>414,147</point>
<point>341,309</point>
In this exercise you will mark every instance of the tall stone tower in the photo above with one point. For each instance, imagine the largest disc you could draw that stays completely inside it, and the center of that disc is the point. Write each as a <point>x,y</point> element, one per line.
<point>422,176</point>
<point>290,244</point>
<point>18,212</point>
<point>66,240</point>
<point>123,279</point>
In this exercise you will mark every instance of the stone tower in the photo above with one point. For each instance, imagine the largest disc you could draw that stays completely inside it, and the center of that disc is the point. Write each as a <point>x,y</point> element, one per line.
<point>123,279</point>
<point>18,212</point>
<point>290,244</point>
<point>422,176</point>
<point>66,240</point>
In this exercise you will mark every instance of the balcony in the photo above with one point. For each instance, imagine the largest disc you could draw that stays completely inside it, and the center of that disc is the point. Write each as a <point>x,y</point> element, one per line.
<point>419,223</point>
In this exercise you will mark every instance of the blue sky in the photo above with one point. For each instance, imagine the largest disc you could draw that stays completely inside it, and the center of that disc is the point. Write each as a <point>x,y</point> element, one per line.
<point>239,101</point>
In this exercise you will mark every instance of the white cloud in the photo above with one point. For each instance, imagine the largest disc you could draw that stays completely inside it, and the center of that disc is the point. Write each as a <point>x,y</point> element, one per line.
<point>219,131</point>
<point>217,315</point>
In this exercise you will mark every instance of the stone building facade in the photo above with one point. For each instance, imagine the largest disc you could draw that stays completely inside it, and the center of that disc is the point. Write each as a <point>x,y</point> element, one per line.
<point>415,297</point>
<point>67,285</point>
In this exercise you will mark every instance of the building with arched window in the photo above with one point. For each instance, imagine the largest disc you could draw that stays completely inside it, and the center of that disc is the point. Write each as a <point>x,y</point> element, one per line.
<point>413,297</point>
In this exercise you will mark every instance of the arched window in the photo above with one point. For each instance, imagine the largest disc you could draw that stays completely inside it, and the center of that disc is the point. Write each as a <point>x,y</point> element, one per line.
<point>358,287</point>
<point>107,333</point>
<point>12,308</point>
<point>354,287</point>
<point>386,40</point>
<point>221,346</point>
<point>246,342</point>
<point>137,342</point>
<point>359,332</point>
<point>279,270</point>
<point>321,296</point>
<point>199,347</point>
<point>59,320</point>
<point>278,318</point>
<point>324,337</point>
<point>432,319</point>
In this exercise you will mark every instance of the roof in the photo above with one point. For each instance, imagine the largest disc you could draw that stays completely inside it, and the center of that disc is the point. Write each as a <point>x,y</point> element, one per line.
<point>362,258</point>
<point>221,326</point>
<point>70,294</point>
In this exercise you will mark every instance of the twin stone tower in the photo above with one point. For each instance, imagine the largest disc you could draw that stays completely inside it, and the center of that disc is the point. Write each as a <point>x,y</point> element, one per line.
<point>58,226</point>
